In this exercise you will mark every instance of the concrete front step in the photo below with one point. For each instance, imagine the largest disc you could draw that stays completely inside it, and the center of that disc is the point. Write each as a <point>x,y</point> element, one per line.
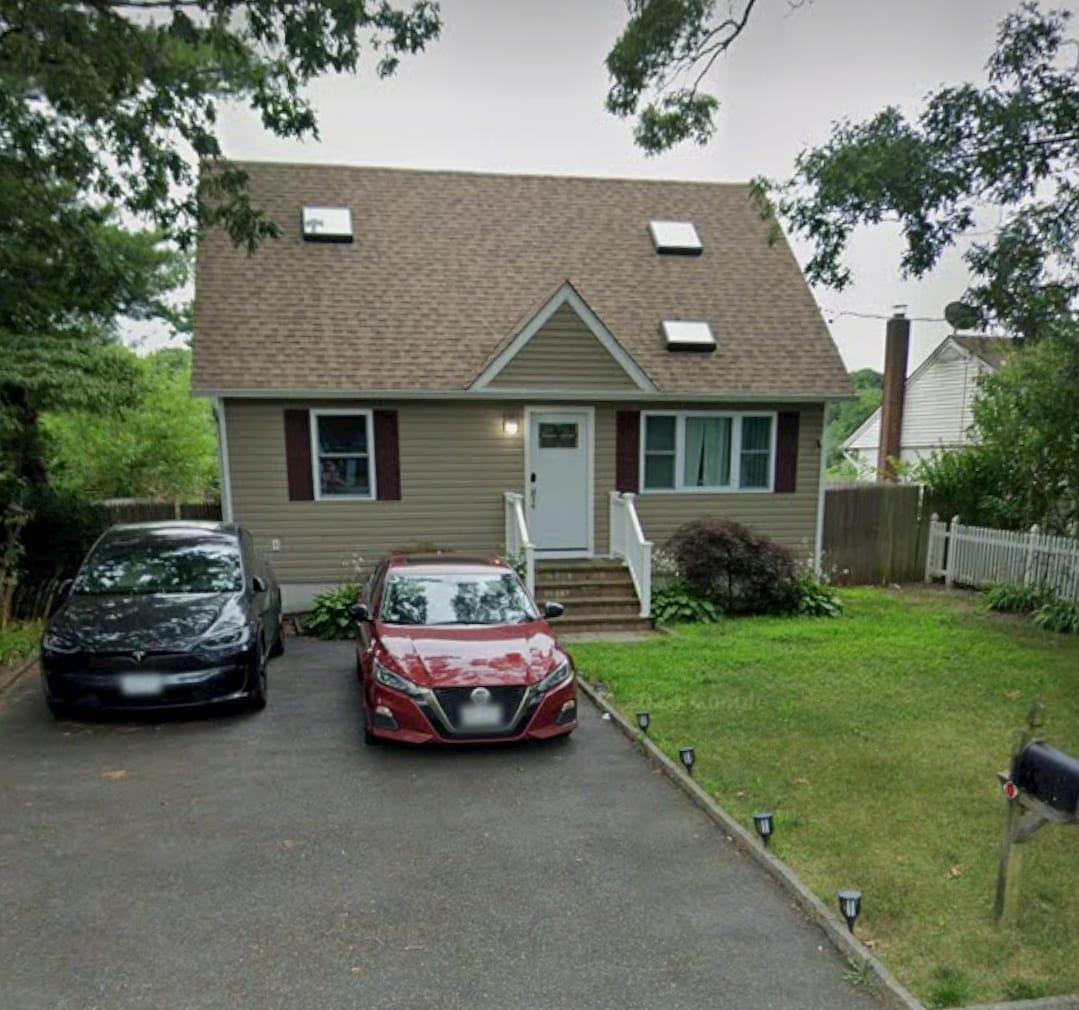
<point>580,623</point>
<point>567,591</point>
<point>601,605</point>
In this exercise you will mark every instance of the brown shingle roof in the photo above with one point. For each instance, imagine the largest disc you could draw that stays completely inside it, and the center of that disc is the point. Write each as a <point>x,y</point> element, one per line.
<point>990,349</point>
<point>446,266</point>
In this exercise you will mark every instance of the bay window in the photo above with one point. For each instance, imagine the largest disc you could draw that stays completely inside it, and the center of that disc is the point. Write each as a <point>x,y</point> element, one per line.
<point>707,451</point>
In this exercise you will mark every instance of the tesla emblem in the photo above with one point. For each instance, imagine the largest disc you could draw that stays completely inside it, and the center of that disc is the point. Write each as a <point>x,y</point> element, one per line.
<point>138,656</point>
<point>480,696</point>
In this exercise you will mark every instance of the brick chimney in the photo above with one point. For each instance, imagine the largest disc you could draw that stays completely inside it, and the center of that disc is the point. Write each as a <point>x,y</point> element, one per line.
<point>896,352</point>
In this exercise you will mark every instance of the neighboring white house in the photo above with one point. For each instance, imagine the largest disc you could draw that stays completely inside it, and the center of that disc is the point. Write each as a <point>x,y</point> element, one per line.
<point>937,411</point>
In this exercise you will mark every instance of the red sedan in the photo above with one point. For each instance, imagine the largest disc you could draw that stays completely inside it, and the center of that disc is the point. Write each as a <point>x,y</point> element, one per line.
<point>454,650</point>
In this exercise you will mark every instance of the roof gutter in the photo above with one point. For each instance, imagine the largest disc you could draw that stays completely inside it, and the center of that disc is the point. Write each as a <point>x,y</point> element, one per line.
<point>613,396</point>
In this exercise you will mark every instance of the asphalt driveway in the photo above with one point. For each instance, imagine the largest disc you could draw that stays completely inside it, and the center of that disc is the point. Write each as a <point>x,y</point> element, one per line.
<point>273,861</point>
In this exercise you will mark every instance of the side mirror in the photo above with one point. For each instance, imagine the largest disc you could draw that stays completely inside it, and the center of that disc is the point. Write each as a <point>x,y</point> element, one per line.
<point>64,589</point>
<point>258,584</point>
<point>360,612</point>
<point>552,609</point>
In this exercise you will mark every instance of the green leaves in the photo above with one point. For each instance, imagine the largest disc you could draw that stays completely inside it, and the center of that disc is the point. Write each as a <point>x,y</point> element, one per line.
<point>1012,145</point>
<point>330,615</point>
<point>667,41</point>
<point>123,106</point>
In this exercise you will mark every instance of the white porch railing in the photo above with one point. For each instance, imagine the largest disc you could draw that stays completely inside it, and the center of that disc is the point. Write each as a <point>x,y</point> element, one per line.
<point>517,540</point>
<point>628,542</point>
<point>979,556</point>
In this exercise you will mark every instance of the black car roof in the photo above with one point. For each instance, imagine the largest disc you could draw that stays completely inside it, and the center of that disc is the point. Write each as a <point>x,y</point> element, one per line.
<point>194,527</point>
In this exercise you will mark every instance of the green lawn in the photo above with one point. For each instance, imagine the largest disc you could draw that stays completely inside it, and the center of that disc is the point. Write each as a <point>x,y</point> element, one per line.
<point>876,738</point>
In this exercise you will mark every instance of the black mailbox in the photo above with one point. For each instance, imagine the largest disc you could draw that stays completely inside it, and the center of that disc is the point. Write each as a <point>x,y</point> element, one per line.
<point>1049,775</point>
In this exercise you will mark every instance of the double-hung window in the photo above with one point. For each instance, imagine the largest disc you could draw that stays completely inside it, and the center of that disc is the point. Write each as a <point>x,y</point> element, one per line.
<point>342,453</point>
<point>708,451</point>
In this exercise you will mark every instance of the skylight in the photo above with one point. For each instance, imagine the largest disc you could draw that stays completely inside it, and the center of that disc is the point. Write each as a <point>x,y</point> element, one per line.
<point>687,335</point>
<point>675,237</point>
<point>327,224</point>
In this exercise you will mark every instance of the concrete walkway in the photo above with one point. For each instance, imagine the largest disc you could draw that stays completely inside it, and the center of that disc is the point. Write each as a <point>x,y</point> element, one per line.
<point>273,861</point>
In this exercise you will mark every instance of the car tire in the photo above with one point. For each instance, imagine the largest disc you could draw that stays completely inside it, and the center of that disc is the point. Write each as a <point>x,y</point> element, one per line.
<point>369,738</point>
<point>278,646</point>
<point>256,700</point>
<point>58,709</point>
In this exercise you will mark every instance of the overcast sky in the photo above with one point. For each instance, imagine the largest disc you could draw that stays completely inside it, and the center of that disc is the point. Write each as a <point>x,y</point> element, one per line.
<point>518,86</point>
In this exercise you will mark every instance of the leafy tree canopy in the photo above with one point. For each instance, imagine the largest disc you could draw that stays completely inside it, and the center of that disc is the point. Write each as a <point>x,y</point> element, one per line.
<point>107,110</point>
<point>163,445</point>
<point>1024,465</point>
<point>1011,144</point>
<point>844,416</point>
<point>120,98</point>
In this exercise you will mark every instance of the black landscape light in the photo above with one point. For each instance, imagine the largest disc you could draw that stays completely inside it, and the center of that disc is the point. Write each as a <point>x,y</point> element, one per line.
<point>850,905</point>
<point>688,758</point>
<point>765,824</point>
<point>644,720</point>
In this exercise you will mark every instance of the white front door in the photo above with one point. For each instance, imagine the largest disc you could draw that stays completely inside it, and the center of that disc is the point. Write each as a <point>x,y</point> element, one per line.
<point>559,480</point>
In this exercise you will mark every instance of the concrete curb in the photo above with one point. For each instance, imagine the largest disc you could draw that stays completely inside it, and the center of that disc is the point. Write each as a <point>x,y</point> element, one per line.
<point>1049,1003</point>
<point>850,946</point>
<point>8,678</point>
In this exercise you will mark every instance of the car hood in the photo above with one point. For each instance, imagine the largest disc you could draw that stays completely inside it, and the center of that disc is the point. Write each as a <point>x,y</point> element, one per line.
<point>460,657</point>
<point>100,622</point>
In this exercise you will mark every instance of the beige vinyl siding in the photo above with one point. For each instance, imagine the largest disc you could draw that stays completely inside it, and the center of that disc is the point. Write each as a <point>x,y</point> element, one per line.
<point>455,464</point>
<point>563,354</point>
<point>789,518</point>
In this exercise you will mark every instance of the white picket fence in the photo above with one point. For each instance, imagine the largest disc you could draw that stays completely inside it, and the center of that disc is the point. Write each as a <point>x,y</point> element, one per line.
<point>978,556</point>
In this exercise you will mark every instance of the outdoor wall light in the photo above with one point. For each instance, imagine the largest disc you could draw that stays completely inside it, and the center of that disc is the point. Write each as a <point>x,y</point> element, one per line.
<point>688,758</point>
<point>644,720</point>
<point>850,905</point>
<point>765,824</point>
<point>510,425</point>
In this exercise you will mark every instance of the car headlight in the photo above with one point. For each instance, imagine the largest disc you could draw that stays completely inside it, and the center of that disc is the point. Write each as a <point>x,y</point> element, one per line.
<point>387,678</point>
<point>54,642</point>
<point>559,675</point>
<point>225,641</point>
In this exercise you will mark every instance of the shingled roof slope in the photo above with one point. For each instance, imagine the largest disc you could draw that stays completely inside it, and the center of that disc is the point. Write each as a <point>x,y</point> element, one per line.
<point>445,267</point>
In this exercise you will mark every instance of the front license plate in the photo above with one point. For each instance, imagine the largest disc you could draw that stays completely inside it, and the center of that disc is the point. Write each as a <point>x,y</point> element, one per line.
<point>481,716</point>
<point>136,685</point>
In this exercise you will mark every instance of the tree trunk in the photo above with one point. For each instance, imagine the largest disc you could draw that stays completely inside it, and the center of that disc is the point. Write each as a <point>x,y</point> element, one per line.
<point>26,447</point>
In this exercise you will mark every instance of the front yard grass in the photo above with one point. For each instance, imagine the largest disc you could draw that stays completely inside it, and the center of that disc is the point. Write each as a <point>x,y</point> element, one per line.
<point>876,738</point>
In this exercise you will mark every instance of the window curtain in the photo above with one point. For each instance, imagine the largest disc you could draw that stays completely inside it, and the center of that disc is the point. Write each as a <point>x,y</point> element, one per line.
<point>707,451</point>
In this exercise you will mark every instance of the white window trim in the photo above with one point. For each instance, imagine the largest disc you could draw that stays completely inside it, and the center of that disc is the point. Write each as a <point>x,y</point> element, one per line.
<point>734,487</point>
<point>316,476</point>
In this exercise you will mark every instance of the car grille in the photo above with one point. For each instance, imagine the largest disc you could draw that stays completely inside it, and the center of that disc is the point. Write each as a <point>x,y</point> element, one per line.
<point>121,662</point>
<point>450,700</point>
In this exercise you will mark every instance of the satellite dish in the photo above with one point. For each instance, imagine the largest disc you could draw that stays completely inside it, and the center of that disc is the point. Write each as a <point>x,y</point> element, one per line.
<point>961,316</point>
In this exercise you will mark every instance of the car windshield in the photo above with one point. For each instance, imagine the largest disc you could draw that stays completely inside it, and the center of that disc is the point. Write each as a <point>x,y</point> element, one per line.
<point>450,598</point>
<point>162,563</point>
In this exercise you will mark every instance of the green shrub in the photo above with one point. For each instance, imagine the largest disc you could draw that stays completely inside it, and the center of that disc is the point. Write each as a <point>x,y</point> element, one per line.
<point>812,596</point>
<point>1058,615</point>
<point>19,641</point>
<point>677,603</point>
<point>1015,598</point>
<point>330,615</point>
<point>737,569</point>
<point>60,528</point>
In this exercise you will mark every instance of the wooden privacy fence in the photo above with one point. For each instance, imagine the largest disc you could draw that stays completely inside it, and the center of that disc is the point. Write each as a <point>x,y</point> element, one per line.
<point>150,511</point>
<point>978,556</point>
<point>873,533</point>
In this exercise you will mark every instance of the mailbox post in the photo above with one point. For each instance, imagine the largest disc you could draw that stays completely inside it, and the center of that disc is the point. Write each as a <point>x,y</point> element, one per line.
<point>1041,788</point>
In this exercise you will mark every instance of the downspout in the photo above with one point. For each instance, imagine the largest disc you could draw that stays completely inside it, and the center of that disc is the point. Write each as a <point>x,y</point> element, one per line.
<point>223,458</point>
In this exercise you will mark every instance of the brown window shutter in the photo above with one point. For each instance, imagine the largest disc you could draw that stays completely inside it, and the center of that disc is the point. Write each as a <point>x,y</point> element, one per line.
<point>627,450</point>
<point>387,456</point>
<point>301,485</point>
<point>786,478</point>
